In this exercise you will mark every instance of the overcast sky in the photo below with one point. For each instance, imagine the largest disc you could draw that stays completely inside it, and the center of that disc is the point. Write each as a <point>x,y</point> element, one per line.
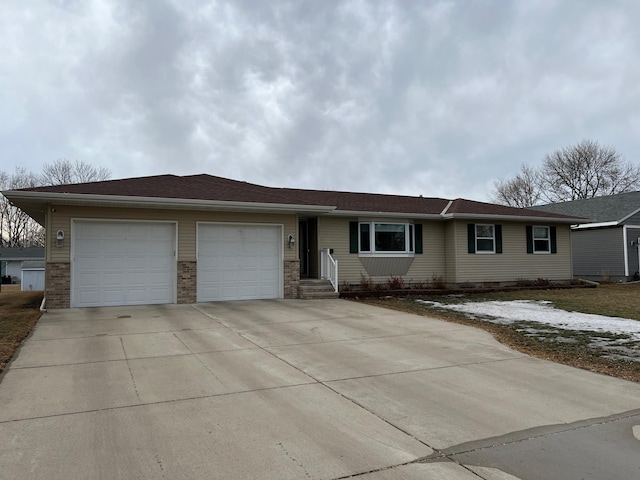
<point>438,98</point>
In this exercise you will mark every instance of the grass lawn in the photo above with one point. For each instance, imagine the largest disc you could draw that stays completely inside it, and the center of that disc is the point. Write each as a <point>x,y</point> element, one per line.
<point>19,312</point>
<point>581,351</point>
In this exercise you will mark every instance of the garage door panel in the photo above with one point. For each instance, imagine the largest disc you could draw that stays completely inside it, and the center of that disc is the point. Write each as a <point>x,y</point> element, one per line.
<point>237,262</point>
<point>123,263</point>
<point>112,297</point>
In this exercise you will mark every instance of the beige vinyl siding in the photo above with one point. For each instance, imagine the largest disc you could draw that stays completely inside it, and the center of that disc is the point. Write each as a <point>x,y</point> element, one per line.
<point>451,251</point>
<point>333,232</point>
<point>514,263</point>
<point>186,223</point>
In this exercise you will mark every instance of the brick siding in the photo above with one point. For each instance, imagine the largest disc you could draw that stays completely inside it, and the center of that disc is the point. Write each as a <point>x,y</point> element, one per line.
<point>291,278</point>
<point>58,285</point>
<point>187,282</point>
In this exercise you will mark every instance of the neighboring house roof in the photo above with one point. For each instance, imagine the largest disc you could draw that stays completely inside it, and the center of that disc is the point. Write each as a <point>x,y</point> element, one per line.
<point>207,191</point>
<point>610,209</point>
<point>15,254</point>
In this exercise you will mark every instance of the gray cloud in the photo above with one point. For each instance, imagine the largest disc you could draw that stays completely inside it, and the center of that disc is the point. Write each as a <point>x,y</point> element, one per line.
<point>436,98</point>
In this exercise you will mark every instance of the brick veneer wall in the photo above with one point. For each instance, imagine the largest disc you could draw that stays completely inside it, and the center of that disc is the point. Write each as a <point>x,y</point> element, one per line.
<point>187,282</point>
<point>57,285</point>
<point>58,282</point>
<point>291,278</point>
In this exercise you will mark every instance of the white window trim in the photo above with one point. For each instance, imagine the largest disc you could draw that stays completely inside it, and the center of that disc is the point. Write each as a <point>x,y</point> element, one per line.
<point>409,229</point>
<point>493,238</point>
<point>548,240</point>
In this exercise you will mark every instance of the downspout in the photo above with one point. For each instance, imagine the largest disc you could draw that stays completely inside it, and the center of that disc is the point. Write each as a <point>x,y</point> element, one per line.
<point>42,309</point>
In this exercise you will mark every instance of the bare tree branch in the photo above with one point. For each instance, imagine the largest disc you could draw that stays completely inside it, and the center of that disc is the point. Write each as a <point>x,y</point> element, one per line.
<point>17,229</point>
<point>64,172</point>
<point>522,191</point>
<point>584,170</point>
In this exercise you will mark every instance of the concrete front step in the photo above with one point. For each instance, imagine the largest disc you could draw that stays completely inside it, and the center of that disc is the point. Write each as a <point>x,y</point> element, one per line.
<point>313,288</point>
<point>318,295</point>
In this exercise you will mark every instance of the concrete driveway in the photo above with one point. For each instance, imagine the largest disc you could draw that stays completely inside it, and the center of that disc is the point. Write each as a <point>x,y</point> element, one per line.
<point>290,389</point>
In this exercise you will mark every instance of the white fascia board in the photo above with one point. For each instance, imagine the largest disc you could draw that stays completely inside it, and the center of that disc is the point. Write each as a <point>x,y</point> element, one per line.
<point>629,216</point>
<point>584,226</point>
<point>513,218</point>
<point>359,213</point>
<point>174,203</point>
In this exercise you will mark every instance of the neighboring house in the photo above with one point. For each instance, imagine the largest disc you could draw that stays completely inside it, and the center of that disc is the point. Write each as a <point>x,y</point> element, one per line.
<point>199,238</point>
<point>605,247</point>
<point>15,262</point>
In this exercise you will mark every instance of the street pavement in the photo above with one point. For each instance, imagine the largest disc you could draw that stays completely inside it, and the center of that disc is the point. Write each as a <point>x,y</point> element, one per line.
<point>295,389</point>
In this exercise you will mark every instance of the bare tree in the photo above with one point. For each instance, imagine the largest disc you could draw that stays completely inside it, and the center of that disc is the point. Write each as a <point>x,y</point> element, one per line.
<point>584,170</point>
<point>16,227</point>
<point>524,190</point>
<point>64,172</point>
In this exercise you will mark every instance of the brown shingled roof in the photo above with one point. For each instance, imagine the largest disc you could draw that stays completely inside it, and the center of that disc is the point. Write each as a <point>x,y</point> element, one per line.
<point>213,188</point>
<point>471,207</point>
<point>346,201</point>
<point>197,187</point>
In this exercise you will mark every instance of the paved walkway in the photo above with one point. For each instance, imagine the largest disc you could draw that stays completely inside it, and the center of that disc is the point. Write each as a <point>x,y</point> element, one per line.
<point>324,389</point>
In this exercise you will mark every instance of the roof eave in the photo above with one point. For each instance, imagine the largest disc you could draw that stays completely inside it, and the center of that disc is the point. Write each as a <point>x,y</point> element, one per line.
<point>515,218</point>
<point>369,213</point>
<point>44,198</point>
<point>585,226</point>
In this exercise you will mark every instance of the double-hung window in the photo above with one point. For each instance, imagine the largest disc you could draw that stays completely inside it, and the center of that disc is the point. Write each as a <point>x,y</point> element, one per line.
<point>485,238</point>
<point>541,240</point>
<point>386,238</point>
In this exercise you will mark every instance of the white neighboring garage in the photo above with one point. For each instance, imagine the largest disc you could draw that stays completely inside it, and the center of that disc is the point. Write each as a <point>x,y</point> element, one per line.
<point>239,261</point>
<point>122,263</point>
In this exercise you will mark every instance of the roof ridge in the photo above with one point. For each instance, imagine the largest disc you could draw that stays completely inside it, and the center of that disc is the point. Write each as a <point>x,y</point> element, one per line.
<point>206,179</point>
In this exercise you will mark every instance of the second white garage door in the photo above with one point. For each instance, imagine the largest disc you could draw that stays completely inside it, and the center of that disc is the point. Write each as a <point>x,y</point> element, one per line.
<point>239,262</point>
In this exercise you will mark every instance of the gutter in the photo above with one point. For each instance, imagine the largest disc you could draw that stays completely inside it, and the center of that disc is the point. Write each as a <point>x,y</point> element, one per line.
<point>181,203</point>
<point>584,226</point>
<point>524,218</point>
<point>368,213</point>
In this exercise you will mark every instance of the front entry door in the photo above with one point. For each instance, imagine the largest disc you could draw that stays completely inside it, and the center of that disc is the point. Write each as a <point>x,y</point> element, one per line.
<point>303,245</point>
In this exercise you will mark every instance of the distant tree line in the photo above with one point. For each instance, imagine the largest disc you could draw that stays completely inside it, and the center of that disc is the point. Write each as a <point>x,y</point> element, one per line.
<point>584,170</point>
<point>17,229</point>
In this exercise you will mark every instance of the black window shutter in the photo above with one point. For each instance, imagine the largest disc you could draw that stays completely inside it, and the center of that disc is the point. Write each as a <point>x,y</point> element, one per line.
<point>554,241</point>
<point>353,237</point>
<point>417,229</point>
<point>498,231</point>
<point>529,239</point>
<point>471,237</point>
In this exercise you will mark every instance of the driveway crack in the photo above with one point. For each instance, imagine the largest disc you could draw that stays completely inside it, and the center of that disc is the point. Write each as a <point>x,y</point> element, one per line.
<point>133,380</point>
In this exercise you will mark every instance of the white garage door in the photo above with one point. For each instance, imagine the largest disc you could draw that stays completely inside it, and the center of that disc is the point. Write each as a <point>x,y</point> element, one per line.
<point>239,262</point>
<point>122,263</point>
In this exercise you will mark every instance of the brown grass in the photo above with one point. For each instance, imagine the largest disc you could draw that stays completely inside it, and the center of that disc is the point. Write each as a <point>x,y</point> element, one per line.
<point>610,300</point>
<point>19,312</point>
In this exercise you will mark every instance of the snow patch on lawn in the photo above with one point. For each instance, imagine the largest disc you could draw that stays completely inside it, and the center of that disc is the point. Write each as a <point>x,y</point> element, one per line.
<point>544,313</point>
